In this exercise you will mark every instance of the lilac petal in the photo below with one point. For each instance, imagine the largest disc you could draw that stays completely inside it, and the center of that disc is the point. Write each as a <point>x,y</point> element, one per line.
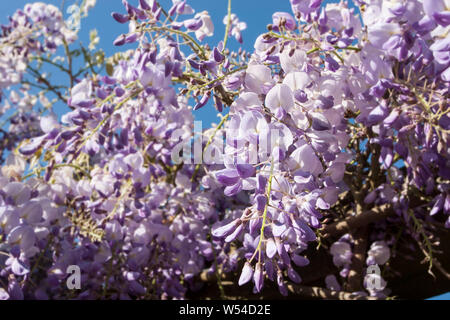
<point>381,32</point>
<point>399,9</point>
<point>48,123</point>
<point>299,260</point>
<point>218,57</point>
<point>401,149</point>
<point>321,204</point>
<point>246,275</point>
<point>432,6</point>
<point>447,204</point>
<point>426,24</point>
<point>258,277</point>
<point>441,45</point>
<point>85,103</point>
<point>393,43</point>
<point>245,170</point>
<point>290,22</point>
<point>19,268</point>
<point>300,96</point>
<point>377,115</point>
<point>120,40</point>
<point>203,101</point>
<point>261,184</point>
<point>280,96</point>
<point>131,38</point>
<point>118,91</point>
<point>393,116</point>
<point>32,147</point>
<point>439,204</point>
<point>227,177</point>
<point>32,212</point>
<point>282,251</point>
<point>309,209</point>
<point>137,288</point>
<point>226,229</point>
<point>332,283</point>
<point>194,64</point>
<point>386,157</point>
<point>442,18</point>
<point>144,5</point>
<point>314,4</point>
<point>218,103</point>
<point>157,11</point>
<point>69,134</point>
<point>101,93</point>
<point>271,248</point>
<point>281,285</point>
<point>3,294</point>
<point>15,290</point>
<point>235,233</point>
<point>445,75</point>
<point>323,20</point>
<point>278,229</point>
<point>254,224</point>
<point>319,122</point>
<point>193,24</point>
<point>306,233</point>
<point>370,197</point>
<point>233,190</point>
<point>121,18</point>
<point>261,202</point>
<point>293,275</point>
<point>325,103</point>
<point>210,65</point>
<point>270,270</point>
<point>332,39</point>
<point>377,90</point>
<point>331,64</point>
<point>303,178</point>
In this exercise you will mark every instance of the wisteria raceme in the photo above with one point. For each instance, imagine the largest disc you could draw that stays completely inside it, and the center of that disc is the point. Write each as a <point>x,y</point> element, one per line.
<point>339,114</point>
<point>32,33</point>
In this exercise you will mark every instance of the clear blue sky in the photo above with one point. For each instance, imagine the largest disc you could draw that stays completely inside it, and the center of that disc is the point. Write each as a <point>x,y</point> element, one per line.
<point>256,13</point>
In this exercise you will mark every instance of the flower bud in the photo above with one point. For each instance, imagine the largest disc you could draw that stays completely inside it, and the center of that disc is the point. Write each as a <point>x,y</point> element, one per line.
<point>246,275</point>
<point>121,18</point>
<point>226,229</point>
<point>258,277</point>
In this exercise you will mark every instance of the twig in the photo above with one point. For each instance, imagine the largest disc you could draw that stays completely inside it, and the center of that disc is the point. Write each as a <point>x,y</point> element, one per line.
<point>69,60</point>
<point>40,78</point>
<point>351,223</point>
<point>227,29</point>
<point>358,260</point>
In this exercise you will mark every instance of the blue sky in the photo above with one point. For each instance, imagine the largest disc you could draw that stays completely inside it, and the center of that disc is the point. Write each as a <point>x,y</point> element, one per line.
<point>256,13</point>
